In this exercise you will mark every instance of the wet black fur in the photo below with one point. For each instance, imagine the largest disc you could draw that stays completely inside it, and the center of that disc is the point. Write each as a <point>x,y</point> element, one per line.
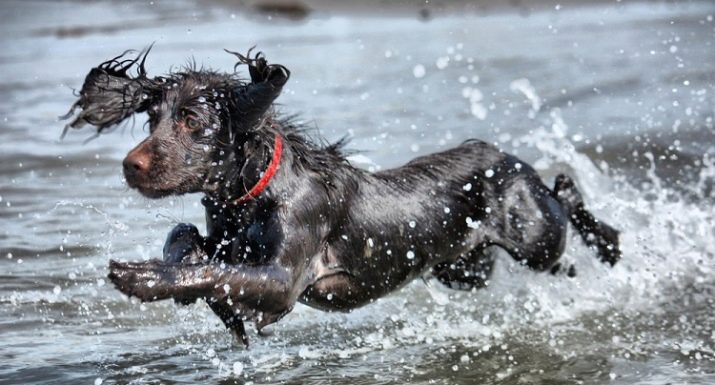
<point>324,233</point>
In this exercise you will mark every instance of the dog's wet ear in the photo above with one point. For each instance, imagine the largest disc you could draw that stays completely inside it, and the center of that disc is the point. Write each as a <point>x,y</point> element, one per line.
<point>110,94</point>
<point>254,99</point>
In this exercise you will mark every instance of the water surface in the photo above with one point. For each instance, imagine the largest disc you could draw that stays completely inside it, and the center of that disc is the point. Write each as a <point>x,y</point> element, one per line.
<point>619,96</point>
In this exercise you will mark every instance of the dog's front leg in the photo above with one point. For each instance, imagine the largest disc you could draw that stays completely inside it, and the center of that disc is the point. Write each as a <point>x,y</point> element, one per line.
<point>184,244</point>
<point>266,289</point>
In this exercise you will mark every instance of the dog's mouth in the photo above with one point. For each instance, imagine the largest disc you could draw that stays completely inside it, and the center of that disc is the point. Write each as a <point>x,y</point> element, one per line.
<point>153,190</point>
<point>153,193</point>
<point>149,190</point>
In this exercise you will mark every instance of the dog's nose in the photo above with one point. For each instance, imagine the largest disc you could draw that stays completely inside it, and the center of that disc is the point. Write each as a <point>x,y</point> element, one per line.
<point>136,163</point>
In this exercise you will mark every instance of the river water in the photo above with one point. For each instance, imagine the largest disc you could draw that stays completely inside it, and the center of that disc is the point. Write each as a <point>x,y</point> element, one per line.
<point>620,96</point>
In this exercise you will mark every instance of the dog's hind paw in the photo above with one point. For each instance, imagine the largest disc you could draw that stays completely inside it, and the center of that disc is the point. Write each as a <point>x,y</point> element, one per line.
<point>608,245</point>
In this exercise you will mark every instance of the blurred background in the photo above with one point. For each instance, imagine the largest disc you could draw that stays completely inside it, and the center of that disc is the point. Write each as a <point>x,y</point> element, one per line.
<point>619,94</point>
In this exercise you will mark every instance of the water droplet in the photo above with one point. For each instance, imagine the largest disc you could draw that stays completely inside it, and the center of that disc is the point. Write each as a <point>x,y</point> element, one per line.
<point>442,62</point>
<point>419,71</point>
<point>237,368</point>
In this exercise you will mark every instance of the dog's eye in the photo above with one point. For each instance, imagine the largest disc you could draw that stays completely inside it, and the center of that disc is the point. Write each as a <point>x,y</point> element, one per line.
<point>192,123</point>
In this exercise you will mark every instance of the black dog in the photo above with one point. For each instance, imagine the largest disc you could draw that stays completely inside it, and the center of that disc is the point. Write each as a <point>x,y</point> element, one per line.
<point>290,220</point>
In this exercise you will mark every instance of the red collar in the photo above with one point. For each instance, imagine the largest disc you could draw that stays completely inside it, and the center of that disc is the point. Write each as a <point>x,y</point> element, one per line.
<point>258,188</point>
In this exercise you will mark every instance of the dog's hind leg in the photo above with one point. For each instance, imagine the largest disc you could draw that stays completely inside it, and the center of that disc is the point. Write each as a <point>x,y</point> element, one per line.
<point>593,232</point>
<point>469,271</point>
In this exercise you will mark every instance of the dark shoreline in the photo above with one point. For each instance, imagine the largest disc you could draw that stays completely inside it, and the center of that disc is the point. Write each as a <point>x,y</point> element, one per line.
<point>424,10</point>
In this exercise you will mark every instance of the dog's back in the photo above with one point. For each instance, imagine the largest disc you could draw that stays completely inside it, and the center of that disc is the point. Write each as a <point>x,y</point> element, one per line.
<point>440,206</point>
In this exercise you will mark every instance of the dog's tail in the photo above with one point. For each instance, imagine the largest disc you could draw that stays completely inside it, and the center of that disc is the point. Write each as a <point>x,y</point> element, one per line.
<point>593,232</point>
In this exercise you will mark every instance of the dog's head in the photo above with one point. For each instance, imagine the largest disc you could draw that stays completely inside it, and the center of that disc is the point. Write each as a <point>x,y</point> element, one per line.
<point>196,118</point>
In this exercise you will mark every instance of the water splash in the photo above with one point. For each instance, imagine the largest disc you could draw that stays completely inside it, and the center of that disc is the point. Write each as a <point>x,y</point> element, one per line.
<point>666,243</point>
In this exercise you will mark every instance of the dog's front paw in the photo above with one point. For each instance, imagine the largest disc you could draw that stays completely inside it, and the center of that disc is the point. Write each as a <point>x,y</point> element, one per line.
<point>184,245</point>
<point>148,281</point>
